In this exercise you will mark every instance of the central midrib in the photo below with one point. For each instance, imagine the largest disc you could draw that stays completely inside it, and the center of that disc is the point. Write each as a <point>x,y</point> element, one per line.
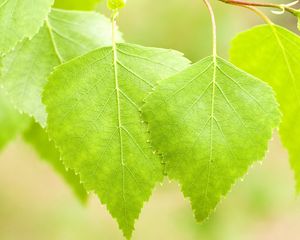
<point>212,118</point>
<point>115,66</point>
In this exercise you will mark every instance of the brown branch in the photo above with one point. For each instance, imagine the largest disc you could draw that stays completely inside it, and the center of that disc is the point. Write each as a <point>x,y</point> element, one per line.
<point>268,5</point>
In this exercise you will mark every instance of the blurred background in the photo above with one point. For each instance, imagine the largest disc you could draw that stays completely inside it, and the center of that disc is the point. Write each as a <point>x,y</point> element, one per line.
<point>36,204</point>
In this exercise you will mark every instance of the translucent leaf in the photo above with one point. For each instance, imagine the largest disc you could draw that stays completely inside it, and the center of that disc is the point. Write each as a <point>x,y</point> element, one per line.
<point>93,107</point>
<point>76,4</point>
<point>210,122</point>
<point>65,35</point>
<point>21,19</point>
<point>38,138</point>
<point>272,53</point>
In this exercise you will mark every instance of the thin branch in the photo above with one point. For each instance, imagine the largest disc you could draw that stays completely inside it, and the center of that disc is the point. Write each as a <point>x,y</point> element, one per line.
<point>282,7</point>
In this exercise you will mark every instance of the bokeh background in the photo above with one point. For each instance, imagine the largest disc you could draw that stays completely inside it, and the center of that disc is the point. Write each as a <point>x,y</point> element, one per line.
<point>36,204</point>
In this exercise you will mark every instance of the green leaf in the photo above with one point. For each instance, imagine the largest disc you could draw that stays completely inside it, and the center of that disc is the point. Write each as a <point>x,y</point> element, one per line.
<point>38,138</point>
<point>21,19</point>
<point>93,107</point>
<point>272,53</point>
<point>11,121</point>
<point>210,122</point>
<point>76,4</point>
<point>65,35</point>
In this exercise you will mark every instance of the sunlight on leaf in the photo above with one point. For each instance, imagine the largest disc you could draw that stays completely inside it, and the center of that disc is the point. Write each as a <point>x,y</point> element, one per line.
<point>94,118</point>
<point>272,53</point>
<point>65,35</point>
<point>21,19</point>
<point>211,122</point>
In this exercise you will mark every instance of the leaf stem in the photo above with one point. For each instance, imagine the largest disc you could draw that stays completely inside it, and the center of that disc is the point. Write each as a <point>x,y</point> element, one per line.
<point>114,16</point>
<point>283,7</point>
<point>260,14</point>
<point>214,27</point>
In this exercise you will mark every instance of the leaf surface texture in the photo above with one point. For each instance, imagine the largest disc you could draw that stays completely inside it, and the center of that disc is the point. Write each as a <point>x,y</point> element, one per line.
<point>211,122</point>
<point>272,53</point>
<point>94,104</point>
<point>65,35</point>
<point>21,19</point>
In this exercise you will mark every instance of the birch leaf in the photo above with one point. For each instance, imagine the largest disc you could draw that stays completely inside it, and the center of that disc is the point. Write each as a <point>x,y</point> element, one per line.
<point>93,104</point>
<point>211,122</point>
<point>272,53</point>
<point>65,35</point>
<point>21,19</point>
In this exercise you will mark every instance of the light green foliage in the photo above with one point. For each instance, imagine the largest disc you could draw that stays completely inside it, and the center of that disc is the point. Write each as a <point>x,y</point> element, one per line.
<point>11,121</point>
<point>76,4</point>
<point>116,4</point>
<point>65,35</point>
<point>272,53</point>
<point>38,138</point>
<point>210,122</point>
<point>21,19</point>
<point>93,107</point>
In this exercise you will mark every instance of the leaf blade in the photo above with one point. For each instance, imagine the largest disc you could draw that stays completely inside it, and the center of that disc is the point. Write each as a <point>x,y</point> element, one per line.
<point>107,141</point>
<point>13,12</point>
<point>281,51</point>
<point>197,120</point>
<point>65,35</point>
